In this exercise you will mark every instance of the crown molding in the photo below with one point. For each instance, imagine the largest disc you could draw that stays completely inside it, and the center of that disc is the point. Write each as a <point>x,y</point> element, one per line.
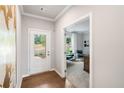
<point>45,18</point>
<point>62,12</point>
<point>39,17</point>
<point>35,16</point>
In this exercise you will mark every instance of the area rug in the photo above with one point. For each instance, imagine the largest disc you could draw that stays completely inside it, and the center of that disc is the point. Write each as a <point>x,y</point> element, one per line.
<point>76,75</point>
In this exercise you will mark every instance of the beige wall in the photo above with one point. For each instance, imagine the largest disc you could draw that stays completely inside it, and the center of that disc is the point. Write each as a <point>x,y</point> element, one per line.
<point>108,43</point>
<point>30,22</point>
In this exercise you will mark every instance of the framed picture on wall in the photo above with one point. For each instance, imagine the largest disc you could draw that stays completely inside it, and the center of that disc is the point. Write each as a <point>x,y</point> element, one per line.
<point>86,43</point>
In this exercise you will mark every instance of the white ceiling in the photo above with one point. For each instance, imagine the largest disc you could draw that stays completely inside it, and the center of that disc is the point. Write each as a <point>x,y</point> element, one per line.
<point>48,12</point>
<point>80,27</point>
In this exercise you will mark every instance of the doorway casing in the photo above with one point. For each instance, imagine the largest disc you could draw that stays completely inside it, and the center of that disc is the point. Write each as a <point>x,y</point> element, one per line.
<point>89,15</point>
<point>29,32</point>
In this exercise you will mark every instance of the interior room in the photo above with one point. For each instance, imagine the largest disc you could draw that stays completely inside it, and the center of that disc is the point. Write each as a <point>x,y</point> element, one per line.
<point>77,54</point>
<point>61,46</point>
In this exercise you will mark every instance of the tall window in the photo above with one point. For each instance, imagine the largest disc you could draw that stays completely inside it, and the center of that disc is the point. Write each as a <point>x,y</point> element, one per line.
<point>68,46</point>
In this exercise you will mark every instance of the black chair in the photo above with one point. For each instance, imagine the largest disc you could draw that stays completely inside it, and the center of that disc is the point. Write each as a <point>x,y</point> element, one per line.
<point>69,57</point>
<point>79,53</point>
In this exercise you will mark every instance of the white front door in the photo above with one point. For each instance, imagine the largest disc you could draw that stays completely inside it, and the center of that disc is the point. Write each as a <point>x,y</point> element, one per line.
<point>39,51</point>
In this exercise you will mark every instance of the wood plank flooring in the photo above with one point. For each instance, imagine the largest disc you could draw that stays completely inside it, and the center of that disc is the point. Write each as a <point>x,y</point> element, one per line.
<point>44,80</point>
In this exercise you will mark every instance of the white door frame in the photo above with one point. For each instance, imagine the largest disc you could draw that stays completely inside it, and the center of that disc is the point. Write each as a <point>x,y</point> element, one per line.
<point>89,15</point>
<point>29,32</point>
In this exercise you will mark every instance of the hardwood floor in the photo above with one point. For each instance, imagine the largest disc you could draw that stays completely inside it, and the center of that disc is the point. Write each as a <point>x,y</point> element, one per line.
<point>44,80</point>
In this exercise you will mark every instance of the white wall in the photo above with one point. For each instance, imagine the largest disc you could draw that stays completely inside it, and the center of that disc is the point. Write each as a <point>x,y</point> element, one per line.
<point>19,60</point>
<point>74,42</point>
<point>85,36</point>
<point>30,22</point>
<point>108,43</point>
<point>79,41</point>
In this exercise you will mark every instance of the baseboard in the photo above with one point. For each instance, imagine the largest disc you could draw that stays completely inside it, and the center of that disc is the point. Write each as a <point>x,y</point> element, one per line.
<point>52,69</point>
<point>26,75</point>
<point>19,83</point>
<point>57,72</point>
<point>68,84</point>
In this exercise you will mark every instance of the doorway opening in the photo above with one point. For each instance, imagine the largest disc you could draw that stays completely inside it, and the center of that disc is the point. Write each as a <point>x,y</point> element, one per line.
<point>78,53</point>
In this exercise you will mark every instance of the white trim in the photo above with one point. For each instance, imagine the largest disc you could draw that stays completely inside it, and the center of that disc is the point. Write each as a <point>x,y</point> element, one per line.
<point>62,12</point>
<point>53,69</point>
<point>29,50</point>
<point>39,29</point>
<point>18,62</point>
<point>59,74</point>
<point>39,17</point>
<point>35,16</point>
<point>91,52</point>
<point>26,75</point>
<point>19,83</point>
<point>75,21</point>
<point>35,29</point>
<point>89,15</point>
<point>46,18</point>
<point>21,8</point>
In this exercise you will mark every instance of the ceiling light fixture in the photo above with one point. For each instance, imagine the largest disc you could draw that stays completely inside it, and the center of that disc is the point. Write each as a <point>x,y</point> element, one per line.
<point>41,9</point>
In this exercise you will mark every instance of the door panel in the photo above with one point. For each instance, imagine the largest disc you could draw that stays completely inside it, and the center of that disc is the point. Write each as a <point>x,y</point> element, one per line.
<point>39,51</point>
